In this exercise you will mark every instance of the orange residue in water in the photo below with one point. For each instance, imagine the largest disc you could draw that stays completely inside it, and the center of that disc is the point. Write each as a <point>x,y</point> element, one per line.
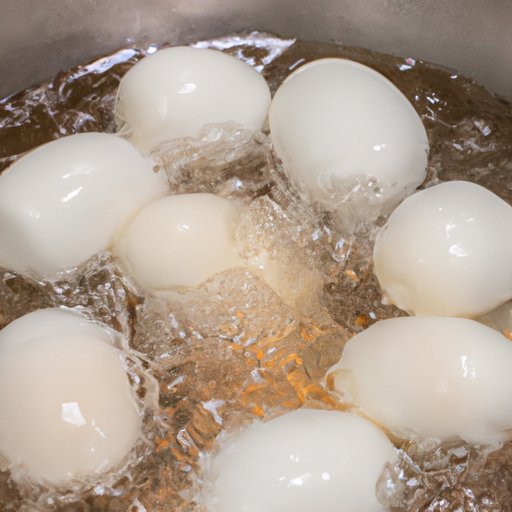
<point>311,332</point>
<point>351,275</point>
<point>507,333</point>
<point>162,444</point>
<point>362,321</point>
<point>258,411</point>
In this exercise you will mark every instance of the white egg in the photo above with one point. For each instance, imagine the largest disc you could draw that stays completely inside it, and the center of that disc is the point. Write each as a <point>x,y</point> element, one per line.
<point>180,240</point>
<point>347,135</point>
<point>431,377</point>
<point>64,201</point>
<point>303,461</point>
<point>445,251</point>
<point>176,91</point>
<point>68,409</point>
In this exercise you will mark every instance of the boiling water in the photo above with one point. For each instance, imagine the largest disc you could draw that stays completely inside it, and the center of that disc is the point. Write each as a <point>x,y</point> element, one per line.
<point>236,349</point>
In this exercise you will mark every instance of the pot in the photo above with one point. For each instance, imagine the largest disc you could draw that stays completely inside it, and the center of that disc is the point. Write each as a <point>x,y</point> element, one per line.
<point>38,38</point>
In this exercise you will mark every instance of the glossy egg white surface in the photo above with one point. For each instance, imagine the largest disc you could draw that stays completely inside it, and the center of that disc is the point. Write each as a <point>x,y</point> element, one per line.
<point>176,91</point>
<point>64,201</point>
<point>68,409</point>
<point>445,251</point>
<point>303,461</point>
<point>431,377</point>
<point>179,240</point>
<point>338,125</point>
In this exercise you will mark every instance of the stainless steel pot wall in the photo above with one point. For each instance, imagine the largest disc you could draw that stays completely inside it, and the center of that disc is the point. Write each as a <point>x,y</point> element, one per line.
<point>40,37</point>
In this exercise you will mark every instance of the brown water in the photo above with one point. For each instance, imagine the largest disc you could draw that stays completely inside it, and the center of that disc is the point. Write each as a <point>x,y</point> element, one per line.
<point>234,349</point>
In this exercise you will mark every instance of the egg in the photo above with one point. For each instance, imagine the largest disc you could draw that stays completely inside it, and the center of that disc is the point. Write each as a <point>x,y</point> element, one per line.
<point>444,251</point>
<point>64,201</point>
<point>68,409</point>
<point>303,461</point>
<point>348,136</point>
<point>430,377</point>
<point>179,240</point>
<point>176,91</point>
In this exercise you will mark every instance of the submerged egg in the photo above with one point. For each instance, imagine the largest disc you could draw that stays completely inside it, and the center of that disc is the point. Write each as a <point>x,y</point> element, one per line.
<point>342,130</point>
<point>445,251</point>
<point>176,91</point>
<point>179,240</point>
<point>431,377</point>
<point>303,461</point>
<point>64,201</point>
<point>68,410</point>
